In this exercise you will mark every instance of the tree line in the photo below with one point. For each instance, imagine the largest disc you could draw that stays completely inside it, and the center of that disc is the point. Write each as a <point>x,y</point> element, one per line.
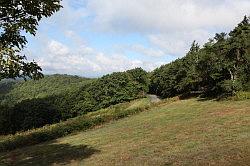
<point>35,103</point>
<point>220,68</point>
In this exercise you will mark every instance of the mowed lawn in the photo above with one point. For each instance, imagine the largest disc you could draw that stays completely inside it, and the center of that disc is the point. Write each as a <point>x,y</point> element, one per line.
<point>186,132</point>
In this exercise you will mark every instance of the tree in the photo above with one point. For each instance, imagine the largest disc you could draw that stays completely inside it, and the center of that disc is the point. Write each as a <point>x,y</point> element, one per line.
<point>237,54</point>
<point>220,68</point>
<point>19,17</point>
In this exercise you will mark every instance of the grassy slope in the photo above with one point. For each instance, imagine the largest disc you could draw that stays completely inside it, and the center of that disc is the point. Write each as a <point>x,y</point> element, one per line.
<point>80,123</point>
<point>187,132</point>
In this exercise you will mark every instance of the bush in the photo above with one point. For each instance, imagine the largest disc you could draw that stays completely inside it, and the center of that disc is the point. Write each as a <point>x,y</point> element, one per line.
<point>241,96</point>
<point>28,114</point>
<point>5,122</point>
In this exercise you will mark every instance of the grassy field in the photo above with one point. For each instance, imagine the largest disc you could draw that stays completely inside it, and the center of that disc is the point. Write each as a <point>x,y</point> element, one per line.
<point>186,132</point>
<point>73,125</point>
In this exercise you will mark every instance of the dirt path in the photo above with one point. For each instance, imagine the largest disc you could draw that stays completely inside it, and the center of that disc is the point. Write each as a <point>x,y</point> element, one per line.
<point>154,98</point>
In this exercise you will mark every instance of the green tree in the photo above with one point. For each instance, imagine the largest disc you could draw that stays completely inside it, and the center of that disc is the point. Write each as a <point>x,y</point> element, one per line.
<point>189,78</point>
<point>19,17</point>
<point>220,68</point>
<point>237,55</point>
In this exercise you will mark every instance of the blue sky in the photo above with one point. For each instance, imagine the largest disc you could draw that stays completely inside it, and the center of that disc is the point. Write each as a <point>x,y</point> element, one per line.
<point>95,37</point>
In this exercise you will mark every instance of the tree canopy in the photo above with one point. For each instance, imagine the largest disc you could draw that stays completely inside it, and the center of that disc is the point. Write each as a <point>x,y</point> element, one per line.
<point>220,67</point>
<point>25,104</point>
<point>19,17</point>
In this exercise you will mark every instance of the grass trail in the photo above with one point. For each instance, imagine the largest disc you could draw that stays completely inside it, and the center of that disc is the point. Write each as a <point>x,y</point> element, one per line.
<point>187,132</point>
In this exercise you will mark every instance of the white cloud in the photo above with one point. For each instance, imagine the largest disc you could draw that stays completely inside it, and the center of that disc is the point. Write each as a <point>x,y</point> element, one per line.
<point>86,61</point>
<point>178,43</point>
<point>166,15</point>
<point>147,51</point>
<point>166,27</point>
<point>170,25</point>
<point>57,48</point>
<point>69,17</point>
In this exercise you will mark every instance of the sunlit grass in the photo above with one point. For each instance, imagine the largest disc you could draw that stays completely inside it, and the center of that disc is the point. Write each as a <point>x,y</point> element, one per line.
<point>81,123</point>
<point>187,132</point>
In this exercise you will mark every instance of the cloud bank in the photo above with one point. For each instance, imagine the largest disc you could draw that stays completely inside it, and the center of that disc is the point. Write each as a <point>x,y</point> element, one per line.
<point>73,41</point>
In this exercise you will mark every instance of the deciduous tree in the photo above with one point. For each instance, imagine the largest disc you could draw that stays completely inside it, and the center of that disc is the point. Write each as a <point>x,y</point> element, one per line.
<point>18,18</point>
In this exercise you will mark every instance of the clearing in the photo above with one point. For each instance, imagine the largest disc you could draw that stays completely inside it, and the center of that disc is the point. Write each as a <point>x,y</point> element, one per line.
<point>184,132</point>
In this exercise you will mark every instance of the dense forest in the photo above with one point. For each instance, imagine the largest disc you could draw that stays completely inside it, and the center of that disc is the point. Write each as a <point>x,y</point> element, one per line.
<point>220,68</point>
<point>34,103</point>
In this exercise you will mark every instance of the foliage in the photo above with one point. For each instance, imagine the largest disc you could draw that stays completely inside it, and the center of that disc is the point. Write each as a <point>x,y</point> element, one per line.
<point>241,96</point>
<point>18,17</point>
<point>221,67</point>
<point>35,103</point>
<point>53,85</point>
<point>13,65</point>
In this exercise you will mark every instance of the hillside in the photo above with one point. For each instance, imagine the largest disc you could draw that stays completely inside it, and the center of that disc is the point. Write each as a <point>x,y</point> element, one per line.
<point>184,132</point>
<point>211,129</point>
<point>170,83</point>
<point>218,69</point>
<point>35,103</point>
<point>16,91</point>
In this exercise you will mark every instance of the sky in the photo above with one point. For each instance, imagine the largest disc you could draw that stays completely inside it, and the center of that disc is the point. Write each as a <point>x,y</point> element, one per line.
<point>91,38</point>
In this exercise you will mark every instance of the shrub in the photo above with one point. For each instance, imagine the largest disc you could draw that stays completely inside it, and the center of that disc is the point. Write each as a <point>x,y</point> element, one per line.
<point>241,95</point>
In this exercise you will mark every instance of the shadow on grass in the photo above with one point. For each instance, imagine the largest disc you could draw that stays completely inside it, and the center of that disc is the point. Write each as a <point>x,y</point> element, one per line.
<point>47,154</point>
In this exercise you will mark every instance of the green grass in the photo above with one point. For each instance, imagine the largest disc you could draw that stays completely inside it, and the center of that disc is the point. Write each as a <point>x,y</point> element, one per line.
<point>187,132</point>
<point>81,123</point>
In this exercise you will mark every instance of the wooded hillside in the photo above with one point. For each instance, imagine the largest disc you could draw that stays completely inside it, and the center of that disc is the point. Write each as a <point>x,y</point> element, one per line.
<point>220,68</point>
<point>31,104</point>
